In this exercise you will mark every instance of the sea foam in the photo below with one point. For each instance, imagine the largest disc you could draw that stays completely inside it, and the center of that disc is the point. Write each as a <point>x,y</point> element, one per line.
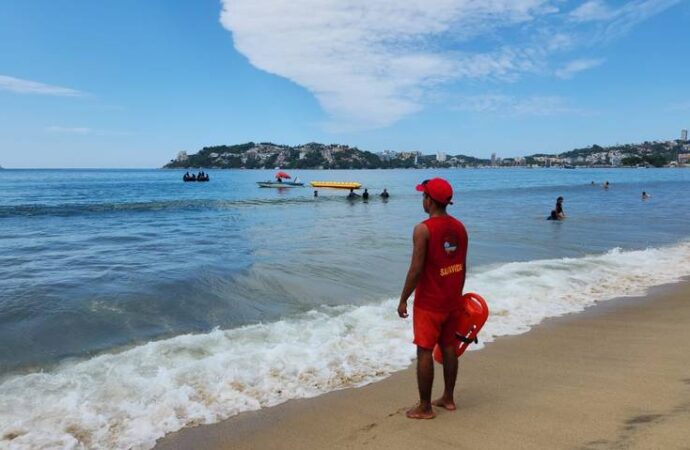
<point>131,398</point>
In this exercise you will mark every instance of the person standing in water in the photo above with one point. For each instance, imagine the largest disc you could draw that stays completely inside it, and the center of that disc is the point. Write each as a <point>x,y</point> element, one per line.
<point>437,276</point>
<point>365,195</point>
<point>559,208</point>
<point>352,195</point>
<point>557,214</point>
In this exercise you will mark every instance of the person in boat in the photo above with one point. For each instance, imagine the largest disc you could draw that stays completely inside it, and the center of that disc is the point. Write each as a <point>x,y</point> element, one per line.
<point>385,193</point>
<point>186,177</point>
<point>352,195</point>
<point>645,196</point>
<point>365,195</point>
<point>437,277</point>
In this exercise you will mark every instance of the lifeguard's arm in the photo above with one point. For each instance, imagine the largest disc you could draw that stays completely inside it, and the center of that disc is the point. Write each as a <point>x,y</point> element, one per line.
<point>420,236</point>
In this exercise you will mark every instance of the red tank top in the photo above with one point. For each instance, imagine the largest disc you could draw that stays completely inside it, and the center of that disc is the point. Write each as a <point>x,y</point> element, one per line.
<point>443,278</point>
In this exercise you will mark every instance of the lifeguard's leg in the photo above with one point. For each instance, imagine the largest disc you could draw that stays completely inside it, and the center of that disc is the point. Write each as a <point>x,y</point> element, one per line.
<point>450,375</point>
<point>425,380</point>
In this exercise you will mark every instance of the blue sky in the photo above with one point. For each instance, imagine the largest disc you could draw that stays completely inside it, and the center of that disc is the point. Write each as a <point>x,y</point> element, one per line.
<point>129,83</point>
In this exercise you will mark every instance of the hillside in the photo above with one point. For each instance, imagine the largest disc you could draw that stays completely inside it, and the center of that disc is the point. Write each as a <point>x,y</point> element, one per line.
<point>267,155</point>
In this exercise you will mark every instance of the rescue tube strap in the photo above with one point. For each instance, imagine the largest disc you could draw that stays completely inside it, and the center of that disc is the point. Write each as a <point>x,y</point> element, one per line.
<point>466,340</point>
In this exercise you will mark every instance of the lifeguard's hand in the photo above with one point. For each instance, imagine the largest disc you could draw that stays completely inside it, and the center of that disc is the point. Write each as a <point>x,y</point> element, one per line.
<point>402,310</point>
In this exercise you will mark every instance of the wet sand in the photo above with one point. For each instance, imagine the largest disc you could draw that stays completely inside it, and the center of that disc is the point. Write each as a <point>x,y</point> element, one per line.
<point>614,376</point>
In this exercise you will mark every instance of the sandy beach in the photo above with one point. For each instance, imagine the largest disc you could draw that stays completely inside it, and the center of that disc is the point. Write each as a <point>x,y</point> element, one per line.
<point>614,376</point>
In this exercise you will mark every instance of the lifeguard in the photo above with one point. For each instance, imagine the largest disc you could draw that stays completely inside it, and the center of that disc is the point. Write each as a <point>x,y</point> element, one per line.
<point>437,276</point>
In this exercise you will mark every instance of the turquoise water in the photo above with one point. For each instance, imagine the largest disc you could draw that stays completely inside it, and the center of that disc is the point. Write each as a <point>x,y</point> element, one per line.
<point>96,259</point>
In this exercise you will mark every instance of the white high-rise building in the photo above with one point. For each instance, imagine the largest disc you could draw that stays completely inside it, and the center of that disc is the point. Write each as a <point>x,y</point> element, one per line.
<point>440,156</point>
<point>683,135</point>
<point>493,159</point>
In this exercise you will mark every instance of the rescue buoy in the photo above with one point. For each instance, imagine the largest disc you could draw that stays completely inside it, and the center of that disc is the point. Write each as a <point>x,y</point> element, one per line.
<point>472,319</point>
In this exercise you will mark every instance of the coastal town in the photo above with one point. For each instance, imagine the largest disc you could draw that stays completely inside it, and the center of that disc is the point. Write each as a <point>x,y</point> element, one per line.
<point>267,155</point>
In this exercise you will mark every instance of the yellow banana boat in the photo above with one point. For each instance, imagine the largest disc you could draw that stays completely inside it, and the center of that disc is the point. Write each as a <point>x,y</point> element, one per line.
<point>336,184</point>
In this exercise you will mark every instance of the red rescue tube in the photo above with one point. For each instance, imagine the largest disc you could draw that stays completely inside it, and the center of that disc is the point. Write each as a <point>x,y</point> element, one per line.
<point>474,315</point>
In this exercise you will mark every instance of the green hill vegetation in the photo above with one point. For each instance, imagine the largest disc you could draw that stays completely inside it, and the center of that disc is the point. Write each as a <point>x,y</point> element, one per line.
<point>267,155</point>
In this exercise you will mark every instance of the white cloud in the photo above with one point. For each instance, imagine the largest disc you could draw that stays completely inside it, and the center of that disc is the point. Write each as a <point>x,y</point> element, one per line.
<point>616,22</point>
<point>577,65</point>
<point>633,13</point>
<point>370,63</point>
<point>507,105</point>
<point>591,11</point>
<point>20,86</point>
<point>68,130</point>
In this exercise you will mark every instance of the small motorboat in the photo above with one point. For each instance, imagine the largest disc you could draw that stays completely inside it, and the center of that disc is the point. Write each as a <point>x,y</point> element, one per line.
<point>280,182</point>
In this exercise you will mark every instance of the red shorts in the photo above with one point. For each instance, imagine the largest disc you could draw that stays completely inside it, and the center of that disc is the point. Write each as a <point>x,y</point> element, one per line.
<point>432,327</point>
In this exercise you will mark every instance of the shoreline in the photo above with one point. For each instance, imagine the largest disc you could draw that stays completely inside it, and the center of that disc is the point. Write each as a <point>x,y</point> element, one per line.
<point>615,374</point>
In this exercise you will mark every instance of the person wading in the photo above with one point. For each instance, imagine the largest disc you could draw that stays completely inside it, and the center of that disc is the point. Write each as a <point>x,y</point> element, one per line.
<point>437,276</point>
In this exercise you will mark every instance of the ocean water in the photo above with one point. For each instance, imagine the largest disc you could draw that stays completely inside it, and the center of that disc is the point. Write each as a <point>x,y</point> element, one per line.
<point>132,304</point>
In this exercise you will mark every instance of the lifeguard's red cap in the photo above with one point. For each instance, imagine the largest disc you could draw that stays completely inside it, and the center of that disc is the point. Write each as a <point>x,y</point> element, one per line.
<point>438,189</point>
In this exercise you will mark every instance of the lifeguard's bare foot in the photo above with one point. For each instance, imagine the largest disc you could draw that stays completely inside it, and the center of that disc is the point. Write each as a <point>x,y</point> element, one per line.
<point>419,412</point>
<point>445,403</point>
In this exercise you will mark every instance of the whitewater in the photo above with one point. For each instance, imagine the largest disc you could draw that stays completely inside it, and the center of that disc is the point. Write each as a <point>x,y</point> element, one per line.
<point>131,397</point>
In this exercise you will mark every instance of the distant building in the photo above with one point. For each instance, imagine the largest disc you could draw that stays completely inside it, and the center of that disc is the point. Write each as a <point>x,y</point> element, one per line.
<point>683,158</point>
<point>182,156</point>
<point>412,154</point>
<point>493,159</point>
<point>440,156</point>
<point>387,155</point>
<point>683,135</point>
